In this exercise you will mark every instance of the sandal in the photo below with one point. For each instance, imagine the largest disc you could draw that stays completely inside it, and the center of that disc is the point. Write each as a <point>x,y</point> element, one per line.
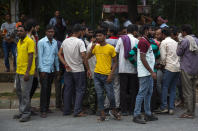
<point>185,115</point>
<point>101,118</point>
<point>116,115</point>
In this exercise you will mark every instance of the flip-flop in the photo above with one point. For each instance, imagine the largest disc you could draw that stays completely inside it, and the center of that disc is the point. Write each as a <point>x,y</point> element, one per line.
<point>101,118</point>
<point>117,116</point>
<point>185,115</point>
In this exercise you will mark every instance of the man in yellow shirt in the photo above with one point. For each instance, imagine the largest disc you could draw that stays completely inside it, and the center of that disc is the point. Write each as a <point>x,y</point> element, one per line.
<point>103,73</point>
<point>24,73</point>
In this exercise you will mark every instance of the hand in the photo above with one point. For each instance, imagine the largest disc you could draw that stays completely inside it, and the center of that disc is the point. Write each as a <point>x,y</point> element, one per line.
<point>154,75</point>
<point>109,78</point>
<point>42,74</point>
<point>93,46</point>
<point>89,74</point>
<point>26,77</point>
<point>68,69</point>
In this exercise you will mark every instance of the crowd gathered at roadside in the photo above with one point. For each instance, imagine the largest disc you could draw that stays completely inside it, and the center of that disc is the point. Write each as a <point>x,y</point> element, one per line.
<point>119,69</point>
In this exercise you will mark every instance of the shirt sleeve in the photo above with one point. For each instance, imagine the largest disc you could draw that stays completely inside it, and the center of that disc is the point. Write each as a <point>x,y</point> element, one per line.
<point>182,47</point>
<point>31,46</point>
<point>56,58</point>
<point>40,54</point>
<point>82,46</point>
<point>113,53</point>
<point>117,48</point>
<point>143,46</point>
<point>163,53</point>
<point>2,27</point>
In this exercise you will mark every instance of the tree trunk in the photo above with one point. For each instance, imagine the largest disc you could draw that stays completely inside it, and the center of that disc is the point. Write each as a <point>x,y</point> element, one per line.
<point>132,10</point>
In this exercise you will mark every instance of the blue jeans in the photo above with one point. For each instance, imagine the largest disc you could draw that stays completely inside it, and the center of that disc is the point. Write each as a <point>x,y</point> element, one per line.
<point>101,85</point>
<point>169,82</point>
<point>6,49</point>
<point>144,93</point>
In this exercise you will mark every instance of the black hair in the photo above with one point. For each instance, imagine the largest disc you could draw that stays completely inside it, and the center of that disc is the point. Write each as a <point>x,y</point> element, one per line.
<point>143,29</point>
<point>22,26</point>
<point>174,30</point>
<point>113,30</point>
<point>76,28</point>
<point>104,25</point>
<point>130,29</point>
<point>101,31</point>
<point>187,28</point>
<point>30,23</point>
<point>166,31</point>
<point>48,27</point>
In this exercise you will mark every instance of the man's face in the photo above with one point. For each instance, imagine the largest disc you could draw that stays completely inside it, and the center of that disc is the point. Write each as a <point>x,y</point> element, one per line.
<point>21,32</point>
<point>151,33</point>
<point>158,34</point>
<point>57,13</point>
<point>7,17</point>
<point>183,33</point>
<point>50,33</point>
<point>100,38</point>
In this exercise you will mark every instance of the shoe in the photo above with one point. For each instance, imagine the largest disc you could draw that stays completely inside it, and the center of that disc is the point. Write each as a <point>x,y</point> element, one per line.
<point>43,115</point>
<point>25,119</point>
<point>33,113</point>
<point>171,112</point>
<point>49,111</point>
<point>139,120</point>
<point>150,118</point>
<point>81,114</point>
<point>161,111</point>
<point>17,116</point>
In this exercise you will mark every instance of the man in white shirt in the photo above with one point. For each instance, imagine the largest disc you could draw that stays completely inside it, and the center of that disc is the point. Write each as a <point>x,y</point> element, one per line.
<point>170,60</point>
<point>7,31</point>
<point>127,72</point>
<point>74,52</point>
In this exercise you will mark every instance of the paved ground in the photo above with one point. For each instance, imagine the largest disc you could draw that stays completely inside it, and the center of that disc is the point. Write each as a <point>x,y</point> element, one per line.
<point>57,122</point>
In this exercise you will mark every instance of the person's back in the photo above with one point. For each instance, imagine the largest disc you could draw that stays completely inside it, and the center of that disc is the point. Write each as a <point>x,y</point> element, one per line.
<point>72,48</point>
<point>189,59</point>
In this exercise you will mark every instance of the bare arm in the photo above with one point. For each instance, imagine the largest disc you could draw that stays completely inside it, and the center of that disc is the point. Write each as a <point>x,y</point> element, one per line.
<point>61,58</point>
<point>115,64</point>
<point>30,59</point>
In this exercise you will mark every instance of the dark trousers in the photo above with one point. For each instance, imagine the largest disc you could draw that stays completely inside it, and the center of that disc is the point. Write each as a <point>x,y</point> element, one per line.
<point>46,85</point>
<point>74,81</point>
<point>7,47</point>
<point>128,90</point>
<point>58,88</point>
<point>34,87</point>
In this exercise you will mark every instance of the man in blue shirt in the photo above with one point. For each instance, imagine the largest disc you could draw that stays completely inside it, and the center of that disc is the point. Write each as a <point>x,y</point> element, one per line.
<point>53,21</point>
<point>47,59</point>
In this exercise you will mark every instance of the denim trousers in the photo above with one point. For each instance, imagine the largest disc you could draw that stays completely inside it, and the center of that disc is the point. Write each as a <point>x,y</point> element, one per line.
<point>7,47</point>
<point>169,84</point>
<point>75,85</point>
<point>144,93</point>
<point>101,85</point>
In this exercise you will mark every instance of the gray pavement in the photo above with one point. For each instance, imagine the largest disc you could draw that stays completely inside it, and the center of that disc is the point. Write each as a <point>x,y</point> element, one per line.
<point>57,122</point>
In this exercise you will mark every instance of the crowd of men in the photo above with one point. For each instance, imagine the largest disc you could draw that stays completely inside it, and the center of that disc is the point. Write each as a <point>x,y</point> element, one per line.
<point>108,71</point>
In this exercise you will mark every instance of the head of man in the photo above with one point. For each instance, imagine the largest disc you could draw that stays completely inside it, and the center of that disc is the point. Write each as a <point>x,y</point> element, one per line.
<point>158,34</point>
<point>100,36</point>
<point>151,32</point>
<point>57,13</point>
<point>31,26</point>
<point>89,33</point>
<point>186,29</point>
<point>132,29</point>
<point>144,30</point>
<point>50,32</point>
<point>8,17</point>
<point>174,32</point>
<point>21,32</point>
<point>165,33</point>
<point>77,30</point>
